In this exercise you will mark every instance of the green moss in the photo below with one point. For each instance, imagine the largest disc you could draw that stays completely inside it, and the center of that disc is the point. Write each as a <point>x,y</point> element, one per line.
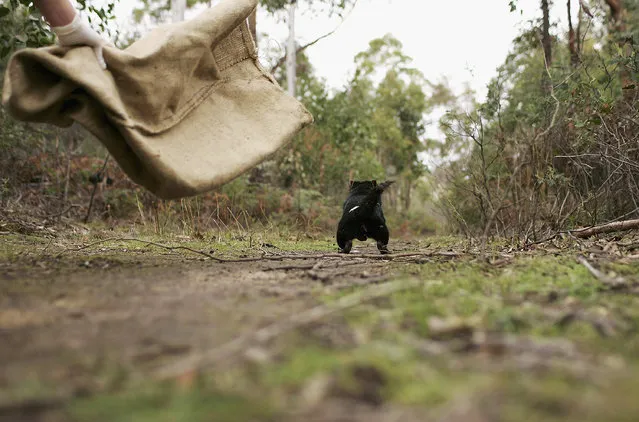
<point>524,296</point>
<point>301,365</point>
<point>159,404</point>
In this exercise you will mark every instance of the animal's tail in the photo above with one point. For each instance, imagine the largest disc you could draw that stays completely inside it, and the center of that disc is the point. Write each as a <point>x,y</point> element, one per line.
<point>371,199</point>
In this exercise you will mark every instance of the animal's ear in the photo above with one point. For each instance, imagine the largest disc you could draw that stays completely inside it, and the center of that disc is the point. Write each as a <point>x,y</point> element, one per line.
<point>374,182</point>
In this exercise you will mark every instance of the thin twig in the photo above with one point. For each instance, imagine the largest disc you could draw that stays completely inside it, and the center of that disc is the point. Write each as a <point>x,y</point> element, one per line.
<point>312,265</point>
<point>282,60</point>
<point>360,282</point>
<point>147,242</point>
<point>290,267</point>
<point>614,282</point>
<point>271,258</point>
<point>60,214</point>
<point>553,120</point>
<point>270,332</point>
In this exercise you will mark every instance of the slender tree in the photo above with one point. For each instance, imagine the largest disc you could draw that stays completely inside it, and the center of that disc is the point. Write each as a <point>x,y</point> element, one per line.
<point>617,13</point>
<point>573,42</point>
<point>546,43</point>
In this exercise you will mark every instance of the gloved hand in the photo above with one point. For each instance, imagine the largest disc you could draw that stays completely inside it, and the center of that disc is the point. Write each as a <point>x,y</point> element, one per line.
<point>79,32</point>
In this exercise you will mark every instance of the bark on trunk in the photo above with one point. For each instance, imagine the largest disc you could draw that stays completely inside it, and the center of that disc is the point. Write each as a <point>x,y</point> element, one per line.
<point>616,9</point>
<point>573,43</point>
<point>578,35</point>
<point>407,195</point>
<point>619,26</point>
<point>291,60</point>
<point>546,43</point>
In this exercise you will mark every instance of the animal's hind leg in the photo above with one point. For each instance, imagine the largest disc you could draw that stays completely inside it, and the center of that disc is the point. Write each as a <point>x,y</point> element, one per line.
<point>381,235</point>
<point>383,247</point>
<point>345,245</point>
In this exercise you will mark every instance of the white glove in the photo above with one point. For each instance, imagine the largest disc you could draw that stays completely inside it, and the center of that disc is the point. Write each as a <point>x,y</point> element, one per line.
<point>80,33</point>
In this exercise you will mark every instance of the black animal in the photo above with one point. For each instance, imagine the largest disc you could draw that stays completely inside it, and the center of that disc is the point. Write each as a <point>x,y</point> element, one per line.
<point>362,216</point>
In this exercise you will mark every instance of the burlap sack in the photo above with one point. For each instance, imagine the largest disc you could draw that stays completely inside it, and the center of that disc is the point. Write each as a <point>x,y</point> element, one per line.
<point>183,110</point>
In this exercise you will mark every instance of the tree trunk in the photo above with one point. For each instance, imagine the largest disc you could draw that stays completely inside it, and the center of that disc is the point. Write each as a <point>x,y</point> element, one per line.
<point>290,47</point>
<point>578,35</point>
<point>618,27</point>
<point>407,193</point>
<point>546,44</point>
<point>178,7</point>
<point>616,10</point>
<point>573,43</point>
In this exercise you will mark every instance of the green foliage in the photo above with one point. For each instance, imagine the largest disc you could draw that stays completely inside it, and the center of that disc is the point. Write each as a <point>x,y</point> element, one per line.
<point>100,17</point>
<point>333,6</point>
<point>158,10</point>
<point>372,129</point>
<point>530,160</point>
<point>22,25</point>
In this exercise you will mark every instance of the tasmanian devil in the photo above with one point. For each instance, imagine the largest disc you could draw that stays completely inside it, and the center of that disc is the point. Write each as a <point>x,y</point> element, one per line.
<point>362,216</point>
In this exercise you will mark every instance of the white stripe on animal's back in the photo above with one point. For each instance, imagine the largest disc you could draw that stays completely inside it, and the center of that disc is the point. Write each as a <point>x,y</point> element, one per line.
<point>354,208</point>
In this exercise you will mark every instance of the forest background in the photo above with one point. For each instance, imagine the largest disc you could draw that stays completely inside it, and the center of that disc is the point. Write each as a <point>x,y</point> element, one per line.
<point>551,147</point>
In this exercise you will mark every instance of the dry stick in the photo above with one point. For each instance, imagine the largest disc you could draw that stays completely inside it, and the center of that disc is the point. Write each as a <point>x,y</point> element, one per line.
<point>61,213</point>
<point>603,278</point>
<point>290,267</point>
<point>237,345</point>
<point>67,177</point>
<point>490,221</point>
<point>360,282</point>
<point>552,123</point>
<point>132,239</point>
<point>267,258</point>
<point>312,265</point>
<point>591,231</point>
<point>606,228</point>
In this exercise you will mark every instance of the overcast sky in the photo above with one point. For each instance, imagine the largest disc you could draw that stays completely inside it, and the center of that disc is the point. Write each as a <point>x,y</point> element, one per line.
<point>463,40</point>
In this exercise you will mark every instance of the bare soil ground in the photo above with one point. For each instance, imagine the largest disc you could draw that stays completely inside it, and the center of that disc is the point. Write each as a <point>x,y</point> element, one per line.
<point>123,330</point>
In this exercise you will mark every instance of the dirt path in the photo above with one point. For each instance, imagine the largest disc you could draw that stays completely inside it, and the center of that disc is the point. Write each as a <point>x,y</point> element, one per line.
<point>84,332</point>
<point>62,329</point>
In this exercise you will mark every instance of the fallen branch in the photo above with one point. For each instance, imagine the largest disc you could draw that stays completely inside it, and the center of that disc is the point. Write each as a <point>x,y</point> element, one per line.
<point>270,332</point>
<point>591,231</point>
<point>360,282</point>
<point>311,265</point>
<point>613,282</point>
<point>61,213</point>
<point>317,276</point>
<point>290,267</point>
<point>147,242</point>
<point>605,325</point>
<point>270,257</point>
<point>606,228</point>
